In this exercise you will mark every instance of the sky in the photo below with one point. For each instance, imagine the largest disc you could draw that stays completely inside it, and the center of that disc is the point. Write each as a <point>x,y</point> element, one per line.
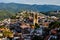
<point>39,2</point>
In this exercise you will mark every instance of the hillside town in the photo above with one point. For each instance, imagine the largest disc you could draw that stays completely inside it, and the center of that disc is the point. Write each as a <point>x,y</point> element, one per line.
<point>30,25</point>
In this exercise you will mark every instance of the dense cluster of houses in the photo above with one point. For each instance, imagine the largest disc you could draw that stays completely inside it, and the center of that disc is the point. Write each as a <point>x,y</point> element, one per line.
<point>26,21</point>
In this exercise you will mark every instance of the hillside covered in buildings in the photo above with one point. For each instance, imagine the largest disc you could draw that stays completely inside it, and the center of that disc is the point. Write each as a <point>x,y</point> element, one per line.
<point>30,25</point>
<point>29,19</point>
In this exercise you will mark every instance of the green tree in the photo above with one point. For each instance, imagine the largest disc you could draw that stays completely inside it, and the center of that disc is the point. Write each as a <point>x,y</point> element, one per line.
<point>13,17</point>
<point>54,25</point>
<point>36,26</point>
<point>2,26</point>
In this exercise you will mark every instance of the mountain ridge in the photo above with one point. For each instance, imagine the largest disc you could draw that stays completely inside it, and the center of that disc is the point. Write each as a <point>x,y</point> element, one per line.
<point>18,7</point>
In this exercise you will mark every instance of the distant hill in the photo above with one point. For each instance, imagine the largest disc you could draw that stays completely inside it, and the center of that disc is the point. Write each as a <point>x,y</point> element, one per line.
<point>9,9</point>
<point>15,7</point>
<point>5,14</point>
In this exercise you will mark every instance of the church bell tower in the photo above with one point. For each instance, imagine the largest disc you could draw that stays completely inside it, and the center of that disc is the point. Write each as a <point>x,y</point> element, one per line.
<point>35,18</point>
